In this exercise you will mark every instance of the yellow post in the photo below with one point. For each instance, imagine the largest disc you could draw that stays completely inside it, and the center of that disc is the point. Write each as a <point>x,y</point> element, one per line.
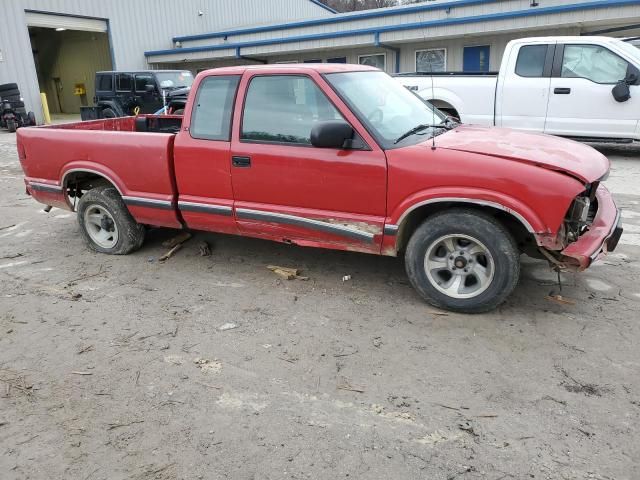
<point>45,108</point>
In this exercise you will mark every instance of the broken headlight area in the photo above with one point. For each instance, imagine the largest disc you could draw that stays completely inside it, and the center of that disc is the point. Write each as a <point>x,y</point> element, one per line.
<point>581,213</point>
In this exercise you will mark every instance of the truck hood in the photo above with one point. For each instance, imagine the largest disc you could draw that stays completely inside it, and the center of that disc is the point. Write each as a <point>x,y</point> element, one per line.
<point>554,153</point>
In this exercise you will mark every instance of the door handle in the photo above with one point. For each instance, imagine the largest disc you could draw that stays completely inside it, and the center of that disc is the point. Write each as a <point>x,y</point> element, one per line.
<point>562,91</point>
<point>241,162</point>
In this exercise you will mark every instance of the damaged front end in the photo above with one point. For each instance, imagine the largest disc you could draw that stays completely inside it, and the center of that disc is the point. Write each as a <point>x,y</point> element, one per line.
<point>591,228</point>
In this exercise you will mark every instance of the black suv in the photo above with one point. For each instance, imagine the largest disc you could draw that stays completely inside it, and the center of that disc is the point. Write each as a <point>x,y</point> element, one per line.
<point>120,94</point>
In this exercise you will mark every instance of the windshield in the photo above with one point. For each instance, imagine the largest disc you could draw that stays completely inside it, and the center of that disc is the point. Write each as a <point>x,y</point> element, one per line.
<point>174,79</point>
<point>386,107</point>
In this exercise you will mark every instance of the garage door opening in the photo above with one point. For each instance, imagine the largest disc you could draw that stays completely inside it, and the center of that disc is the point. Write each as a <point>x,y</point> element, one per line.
<point>67,52</point>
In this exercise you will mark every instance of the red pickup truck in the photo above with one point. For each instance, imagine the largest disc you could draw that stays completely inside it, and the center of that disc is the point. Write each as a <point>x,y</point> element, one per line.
<point>333,156</point>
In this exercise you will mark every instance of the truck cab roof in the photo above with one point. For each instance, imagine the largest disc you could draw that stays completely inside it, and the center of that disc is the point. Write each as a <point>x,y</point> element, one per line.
<point>139,71</point>
<point>281,67</point>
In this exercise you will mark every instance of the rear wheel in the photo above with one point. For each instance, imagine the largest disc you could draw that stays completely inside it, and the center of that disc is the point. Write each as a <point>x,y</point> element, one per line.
<point>106,224</point>
<point>108,113</point>
<point>31,117</point>
<point>463,260</point>
<point>12,125</point>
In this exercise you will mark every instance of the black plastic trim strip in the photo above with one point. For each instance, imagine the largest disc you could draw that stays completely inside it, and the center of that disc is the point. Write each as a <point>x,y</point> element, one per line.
<point>205,208</point>
<point>43,187</point>
<point>147,202</point>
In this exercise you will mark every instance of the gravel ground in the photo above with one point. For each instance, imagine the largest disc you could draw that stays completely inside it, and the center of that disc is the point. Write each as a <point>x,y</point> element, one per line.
<point>127,368</point>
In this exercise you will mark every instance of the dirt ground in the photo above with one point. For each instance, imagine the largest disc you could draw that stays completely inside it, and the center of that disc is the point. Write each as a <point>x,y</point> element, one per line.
<point>214,368</point>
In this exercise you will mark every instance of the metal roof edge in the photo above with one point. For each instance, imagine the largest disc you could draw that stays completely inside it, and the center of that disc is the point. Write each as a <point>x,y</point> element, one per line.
<point>590,5</point>
<point>322,5</point>
<point>340,18</point>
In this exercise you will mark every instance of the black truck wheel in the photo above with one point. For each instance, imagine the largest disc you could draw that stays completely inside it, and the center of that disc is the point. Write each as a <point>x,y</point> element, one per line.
<point>10,94</point>
<point>106,224</point>
<point>108,113</point>
<point>463,260</point>
<point>12,125</point>
<point>8,86</point>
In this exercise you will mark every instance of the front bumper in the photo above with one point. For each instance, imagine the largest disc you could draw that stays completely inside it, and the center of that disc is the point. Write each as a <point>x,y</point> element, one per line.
<point>602,237</point>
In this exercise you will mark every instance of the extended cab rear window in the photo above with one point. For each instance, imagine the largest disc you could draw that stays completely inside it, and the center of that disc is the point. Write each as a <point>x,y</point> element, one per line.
<point>211,116</point>
<point>531,60</point>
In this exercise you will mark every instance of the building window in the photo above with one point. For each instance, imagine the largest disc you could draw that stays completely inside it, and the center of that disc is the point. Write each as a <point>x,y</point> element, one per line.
<point>377,60</point>
<point>531,59</point>
<point>211,117</point>
<point>476,58</point>
<point>284,109</point>
<point>431,60</point>
<point>337,60</point>
<point>313,60</point>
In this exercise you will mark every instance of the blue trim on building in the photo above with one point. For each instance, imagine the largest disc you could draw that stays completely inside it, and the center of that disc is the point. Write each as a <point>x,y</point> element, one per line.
<point>533,11</point>
<point>395,50</point>
<point>385,12</point>
<point>322,5</point>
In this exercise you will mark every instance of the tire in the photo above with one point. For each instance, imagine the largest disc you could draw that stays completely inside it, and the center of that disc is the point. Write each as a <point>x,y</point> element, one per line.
<point>119,232</point>
<point>463,260</point>
<point>12,125</point>
<point>109,113</point>
<point>31,118</point>
<point>5,94</point>
<point>15,104</point>
<point>8,86</point>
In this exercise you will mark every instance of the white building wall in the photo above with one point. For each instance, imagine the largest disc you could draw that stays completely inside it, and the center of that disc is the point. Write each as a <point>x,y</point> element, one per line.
<point>494,25</point>
<point>135,26</point>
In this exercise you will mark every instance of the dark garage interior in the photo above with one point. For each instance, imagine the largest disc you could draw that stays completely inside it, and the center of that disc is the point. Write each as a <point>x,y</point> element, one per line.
<point>66,62</point>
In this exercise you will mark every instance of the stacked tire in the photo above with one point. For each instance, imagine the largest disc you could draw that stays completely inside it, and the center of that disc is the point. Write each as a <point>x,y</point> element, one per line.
<point>9,93</point>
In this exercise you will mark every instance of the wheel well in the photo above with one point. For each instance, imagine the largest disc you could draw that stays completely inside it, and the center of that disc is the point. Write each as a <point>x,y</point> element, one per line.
<point>77,183</point>
<point>445,107</point>
<point>523,237</point>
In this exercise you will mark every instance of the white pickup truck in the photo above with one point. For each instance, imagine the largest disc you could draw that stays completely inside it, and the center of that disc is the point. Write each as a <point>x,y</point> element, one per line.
<point>586,88</point>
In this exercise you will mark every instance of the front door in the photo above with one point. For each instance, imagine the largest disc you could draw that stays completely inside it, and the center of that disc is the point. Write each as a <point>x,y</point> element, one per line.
<point>287,190</point>
<point>202,156</point>
<point>148,100</point>
<point>581,102</point>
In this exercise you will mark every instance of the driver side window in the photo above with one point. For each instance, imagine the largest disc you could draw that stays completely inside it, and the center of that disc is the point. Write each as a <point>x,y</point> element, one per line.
<point>594,63</point>
<point>284,109</point>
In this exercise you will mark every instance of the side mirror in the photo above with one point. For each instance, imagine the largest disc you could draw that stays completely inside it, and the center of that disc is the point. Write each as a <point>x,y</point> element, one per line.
<point>332,134</point>
<point>149,88</point>
<point>621,92</point>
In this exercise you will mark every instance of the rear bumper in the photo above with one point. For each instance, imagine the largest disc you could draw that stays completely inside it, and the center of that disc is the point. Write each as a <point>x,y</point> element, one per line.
<point>602,237</point>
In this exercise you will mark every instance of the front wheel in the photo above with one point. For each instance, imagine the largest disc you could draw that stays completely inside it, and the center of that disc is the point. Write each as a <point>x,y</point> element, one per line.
<point>106,224</point>
<point>12,125</point>
<point>463,260</point>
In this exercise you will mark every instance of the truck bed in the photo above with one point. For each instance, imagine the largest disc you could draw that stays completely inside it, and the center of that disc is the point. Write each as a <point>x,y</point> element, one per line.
<point>468,96</point>
<point>133,153</point>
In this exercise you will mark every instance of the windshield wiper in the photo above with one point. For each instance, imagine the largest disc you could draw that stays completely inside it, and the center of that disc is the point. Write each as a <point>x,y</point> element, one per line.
<point>418,129</point>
